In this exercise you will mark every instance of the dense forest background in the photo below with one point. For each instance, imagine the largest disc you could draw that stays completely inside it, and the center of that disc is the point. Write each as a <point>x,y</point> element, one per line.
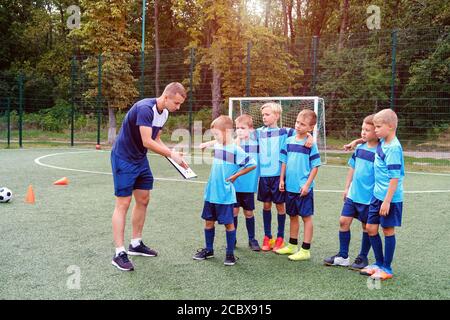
<point>223,48</point>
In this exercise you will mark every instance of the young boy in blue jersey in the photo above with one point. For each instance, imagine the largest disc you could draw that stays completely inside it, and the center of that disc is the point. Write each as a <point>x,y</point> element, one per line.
<point>357,196</point>
<point>230,162</point>
<point>387,203</point>
<point>141,130</point>
<point>299,168</point>
<point>270,139</point>
<point>246,186</point>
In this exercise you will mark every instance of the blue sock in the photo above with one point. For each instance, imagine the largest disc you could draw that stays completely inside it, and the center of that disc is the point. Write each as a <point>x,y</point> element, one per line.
<point>267,220</point>
<point>209,238</point>
<point>281,223</point>
<point>235,222</point>
<point>231,238</point>
<point>377,246</point>
<point>365,245</point>
<point>250,224</point>
<point>389,248</point>
<point>344,242</point>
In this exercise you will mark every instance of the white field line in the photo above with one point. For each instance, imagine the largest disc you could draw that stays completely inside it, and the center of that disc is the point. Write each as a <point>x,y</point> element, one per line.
<point>38,162</point>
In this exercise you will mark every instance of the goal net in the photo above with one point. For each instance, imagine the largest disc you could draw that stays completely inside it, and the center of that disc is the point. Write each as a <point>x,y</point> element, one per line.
<point>291,107</point>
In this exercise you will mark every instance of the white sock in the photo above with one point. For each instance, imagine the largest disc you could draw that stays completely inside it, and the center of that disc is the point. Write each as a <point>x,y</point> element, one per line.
<point>119,250</point>
<point>136,242</point>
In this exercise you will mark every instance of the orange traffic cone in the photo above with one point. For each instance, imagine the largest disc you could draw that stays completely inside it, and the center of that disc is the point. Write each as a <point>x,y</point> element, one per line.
<point>29,198</point>
<point>61,182</point>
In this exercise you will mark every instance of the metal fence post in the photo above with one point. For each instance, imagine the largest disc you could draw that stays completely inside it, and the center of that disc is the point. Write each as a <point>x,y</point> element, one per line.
<point>8,120</point>
<point>393,67</point>
<point>72,110</point>
<point>99,96</point>
<point>20,109</point>
<point>191,97</point>
<point>315,42</point>
<point>141,80</point>
<point>249,49</point>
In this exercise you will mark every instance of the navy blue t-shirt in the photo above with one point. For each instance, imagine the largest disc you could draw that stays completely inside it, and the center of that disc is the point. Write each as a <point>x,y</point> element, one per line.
<point>128,145</point>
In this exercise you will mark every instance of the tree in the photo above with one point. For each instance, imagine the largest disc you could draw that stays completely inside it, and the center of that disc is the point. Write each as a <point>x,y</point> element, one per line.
<point>106,32</point>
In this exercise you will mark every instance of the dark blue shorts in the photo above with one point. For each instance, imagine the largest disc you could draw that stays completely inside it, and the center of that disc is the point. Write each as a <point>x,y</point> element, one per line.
<point>129,176</point>
<point>300,206</point>
<point>355,210</point>
<point>246,200</point>
<point>269,190</point>
<point>393,219</point>
<point>222,213</point>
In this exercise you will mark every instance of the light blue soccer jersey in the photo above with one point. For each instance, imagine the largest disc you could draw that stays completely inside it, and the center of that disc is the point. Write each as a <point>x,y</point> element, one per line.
<point>249,182</point>
<point>299,160</point>
<point>362,161</point>
<point>389,165</point>
<point>227,161</point>
<point>270,142</point>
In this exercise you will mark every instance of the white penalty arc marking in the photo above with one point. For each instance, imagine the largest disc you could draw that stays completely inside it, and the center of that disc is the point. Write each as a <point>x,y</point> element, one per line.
<point>38,162</point>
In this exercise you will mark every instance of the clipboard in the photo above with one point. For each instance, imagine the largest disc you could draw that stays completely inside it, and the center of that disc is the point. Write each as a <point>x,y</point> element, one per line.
<point>186,173</point>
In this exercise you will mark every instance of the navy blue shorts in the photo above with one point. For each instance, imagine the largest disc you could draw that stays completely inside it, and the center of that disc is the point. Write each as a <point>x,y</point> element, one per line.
<point>222,213</point>
<point>246,200</point>
<point>355,210</point>
<point>393,219</point>
<point>129,176</point>
<point>300,206</point>
<point>269,190</point>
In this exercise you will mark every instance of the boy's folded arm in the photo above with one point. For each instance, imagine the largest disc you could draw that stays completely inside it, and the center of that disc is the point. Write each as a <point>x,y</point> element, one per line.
<point>309,140</point>
<point>240,173</point>
<point>353,144</point>
<point>207,144</point>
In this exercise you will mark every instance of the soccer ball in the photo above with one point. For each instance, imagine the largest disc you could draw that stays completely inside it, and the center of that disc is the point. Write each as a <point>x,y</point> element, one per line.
<point>5,194</point>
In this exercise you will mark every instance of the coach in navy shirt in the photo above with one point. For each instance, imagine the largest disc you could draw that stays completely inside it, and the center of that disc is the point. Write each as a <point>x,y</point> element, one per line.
<point>141,130</point>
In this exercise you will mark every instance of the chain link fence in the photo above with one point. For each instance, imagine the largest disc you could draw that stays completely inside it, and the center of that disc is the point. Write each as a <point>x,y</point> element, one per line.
<point>357,74</point>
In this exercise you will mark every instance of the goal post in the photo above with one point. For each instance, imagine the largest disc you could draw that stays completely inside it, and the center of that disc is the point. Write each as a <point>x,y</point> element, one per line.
<point>291,106</point>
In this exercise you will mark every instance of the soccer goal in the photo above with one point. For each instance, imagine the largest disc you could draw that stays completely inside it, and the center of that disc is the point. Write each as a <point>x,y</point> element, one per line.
<point>291,107</point>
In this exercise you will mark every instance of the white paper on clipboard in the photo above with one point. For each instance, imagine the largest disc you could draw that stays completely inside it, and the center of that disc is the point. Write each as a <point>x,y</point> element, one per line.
<point>186,173</point>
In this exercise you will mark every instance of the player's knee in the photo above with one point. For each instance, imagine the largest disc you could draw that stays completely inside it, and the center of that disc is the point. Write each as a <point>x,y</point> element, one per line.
<point>388,232</point>
<point>209,224</point>
<point>143,200</point>
<point>280,207</point>
<point>248,214</point>
<point>372,229</point>
<point>344,224</point>
<point>123,203</point>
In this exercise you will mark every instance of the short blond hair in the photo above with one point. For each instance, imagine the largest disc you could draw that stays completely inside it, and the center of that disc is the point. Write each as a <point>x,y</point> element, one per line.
<point>309,115</point>
<point>387,116</point>
<point>274,107</point>
<point>369,119</point>
<point>245,119</point>
<point>222,123</point>
<point>174,88</point>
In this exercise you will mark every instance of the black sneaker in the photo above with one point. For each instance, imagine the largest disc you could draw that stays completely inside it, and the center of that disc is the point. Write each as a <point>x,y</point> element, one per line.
<point>203,254</point>
<point>121,262</point>
<point>230,260</point>
<point>141,250</point>
<point>254,245</point>
<point>360,263</point>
